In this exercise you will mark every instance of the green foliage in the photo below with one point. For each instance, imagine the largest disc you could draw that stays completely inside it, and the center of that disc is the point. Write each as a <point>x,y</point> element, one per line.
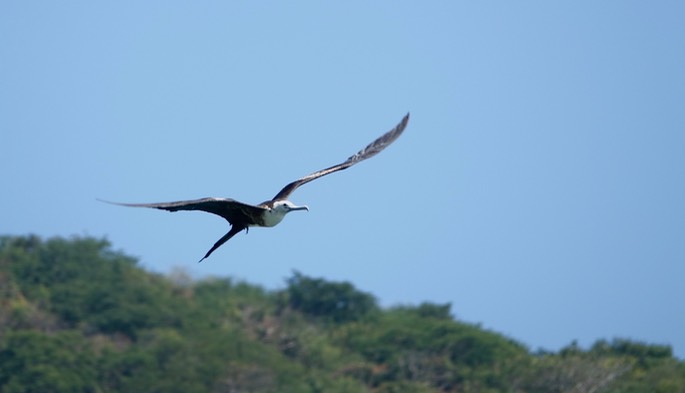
<point>334,301</point>
<point>429,310</point>
<point>83,281</point>
<point>435,351</point>
<point>35,362</point>
<point>76,316</point>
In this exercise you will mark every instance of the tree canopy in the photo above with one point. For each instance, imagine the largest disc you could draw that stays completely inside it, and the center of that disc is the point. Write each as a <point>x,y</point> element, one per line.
<point>77,316</point>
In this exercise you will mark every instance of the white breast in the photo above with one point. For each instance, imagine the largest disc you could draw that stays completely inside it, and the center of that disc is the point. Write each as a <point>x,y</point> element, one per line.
<point>273,217</point>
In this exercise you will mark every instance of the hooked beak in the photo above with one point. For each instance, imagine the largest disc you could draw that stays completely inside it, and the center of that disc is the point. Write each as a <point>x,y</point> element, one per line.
<point>299,208</point>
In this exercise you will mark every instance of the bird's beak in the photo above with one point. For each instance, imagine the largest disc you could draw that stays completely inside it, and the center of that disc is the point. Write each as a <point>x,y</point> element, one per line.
<point>299,208</point>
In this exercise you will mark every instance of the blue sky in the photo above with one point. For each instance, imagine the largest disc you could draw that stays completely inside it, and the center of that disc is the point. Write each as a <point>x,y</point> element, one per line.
<point>539,187</point>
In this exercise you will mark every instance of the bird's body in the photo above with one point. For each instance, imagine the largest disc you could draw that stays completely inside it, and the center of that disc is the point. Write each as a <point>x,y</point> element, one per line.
<point>242,216</point>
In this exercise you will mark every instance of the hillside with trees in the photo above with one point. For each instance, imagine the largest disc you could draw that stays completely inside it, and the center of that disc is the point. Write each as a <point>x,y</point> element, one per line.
<point>77,316</point>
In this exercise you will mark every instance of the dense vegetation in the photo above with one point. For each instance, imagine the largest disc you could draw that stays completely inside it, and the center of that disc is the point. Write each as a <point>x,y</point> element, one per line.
<point>76,316</point>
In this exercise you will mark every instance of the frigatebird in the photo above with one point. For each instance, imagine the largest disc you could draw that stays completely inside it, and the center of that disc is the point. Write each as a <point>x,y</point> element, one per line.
<point>242,216</point>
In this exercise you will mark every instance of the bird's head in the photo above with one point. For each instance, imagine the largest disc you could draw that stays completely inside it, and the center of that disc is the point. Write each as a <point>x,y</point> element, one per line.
<point>287,206</point>
<point>277,211</point>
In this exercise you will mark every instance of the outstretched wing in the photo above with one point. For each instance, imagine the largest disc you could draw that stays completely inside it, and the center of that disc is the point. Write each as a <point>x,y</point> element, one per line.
<point>234,229</point>
<point>369,151</point>
<point>237,213</point>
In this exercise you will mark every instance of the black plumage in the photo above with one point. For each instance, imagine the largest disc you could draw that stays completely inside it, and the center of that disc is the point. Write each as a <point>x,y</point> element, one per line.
<point>269,213</point>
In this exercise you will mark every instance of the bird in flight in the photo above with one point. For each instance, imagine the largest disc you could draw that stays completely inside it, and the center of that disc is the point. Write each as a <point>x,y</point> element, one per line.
<point>267,214</point>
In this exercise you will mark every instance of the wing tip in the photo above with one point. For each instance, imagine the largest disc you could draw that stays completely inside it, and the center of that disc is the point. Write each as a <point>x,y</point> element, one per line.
<point>108,202</point>
<point>404,121</point>
<point>119,203</point>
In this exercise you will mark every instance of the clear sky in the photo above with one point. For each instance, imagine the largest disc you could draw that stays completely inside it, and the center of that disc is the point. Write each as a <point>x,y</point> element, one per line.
<point>539,187</point>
